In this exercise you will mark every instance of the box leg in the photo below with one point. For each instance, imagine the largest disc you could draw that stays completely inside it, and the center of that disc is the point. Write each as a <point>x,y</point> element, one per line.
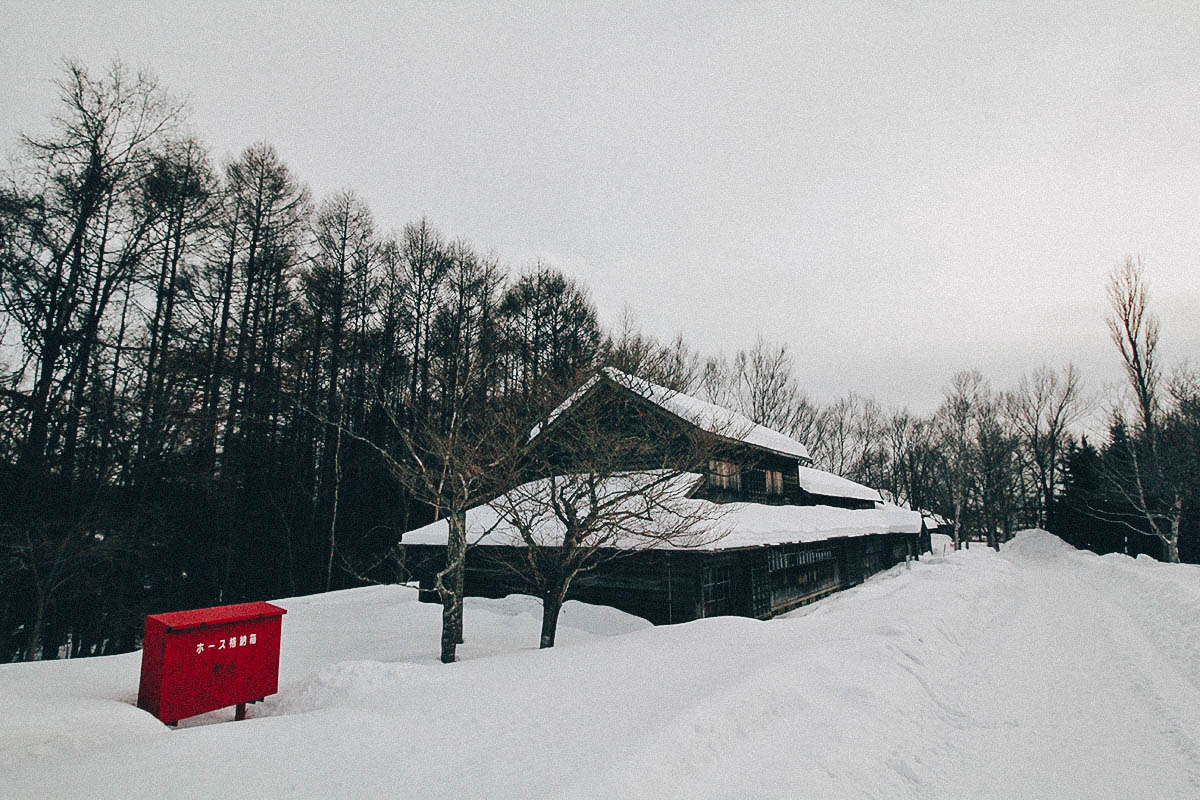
<point>240,713</point>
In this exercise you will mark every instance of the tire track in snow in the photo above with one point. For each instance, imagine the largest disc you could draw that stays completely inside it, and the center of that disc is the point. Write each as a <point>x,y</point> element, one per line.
<point>1154,671</point>
<point>1085,705</point>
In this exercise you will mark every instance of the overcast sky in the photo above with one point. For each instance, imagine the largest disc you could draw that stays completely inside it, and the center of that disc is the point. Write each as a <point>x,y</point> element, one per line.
<point>897,193</point>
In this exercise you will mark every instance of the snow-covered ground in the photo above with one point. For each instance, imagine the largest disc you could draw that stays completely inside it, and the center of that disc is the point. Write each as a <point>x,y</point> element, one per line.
<point>1036,673</point>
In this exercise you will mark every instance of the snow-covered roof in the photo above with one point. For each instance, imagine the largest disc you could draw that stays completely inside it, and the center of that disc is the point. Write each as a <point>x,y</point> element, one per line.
<point>708,416</point>
<point>815,481</point>
<point>729,526</point>
<point>755,524</point>
<point>934,521</point>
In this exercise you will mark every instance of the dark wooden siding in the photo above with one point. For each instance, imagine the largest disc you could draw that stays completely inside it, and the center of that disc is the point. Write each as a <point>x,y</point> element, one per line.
<point>662,586</point>
<point>666,586</point>
<point>657,438</point>
<point>800,574</point>
<point>648,436</point>
<point>753,465</point>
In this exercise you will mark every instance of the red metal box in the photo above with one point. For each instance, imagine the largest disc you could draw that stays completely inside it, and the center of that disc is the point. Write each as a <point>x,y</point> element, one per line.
<point>209,658</point>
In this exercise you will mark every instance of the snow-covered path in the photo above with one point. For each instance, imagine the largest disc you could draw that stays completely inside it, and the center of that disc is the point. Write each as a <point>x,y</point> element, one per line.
<point>1036,673</point>
<point>1065,681</point>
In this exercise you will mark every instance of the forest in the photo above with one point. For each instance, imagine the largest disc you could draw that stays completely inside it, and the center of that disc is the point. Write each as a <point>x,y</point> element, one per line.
<point>216,388</point>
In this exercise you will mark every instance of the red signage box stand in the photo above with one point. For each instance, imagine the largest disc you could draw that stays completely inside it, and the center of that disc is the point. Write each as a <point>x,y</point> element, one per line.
<point>198,661</point>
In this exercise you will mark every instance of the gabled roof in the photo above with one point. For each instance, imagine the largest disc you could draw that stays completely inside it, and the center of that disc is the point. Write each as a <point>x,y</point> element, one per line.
<point>707,416</point>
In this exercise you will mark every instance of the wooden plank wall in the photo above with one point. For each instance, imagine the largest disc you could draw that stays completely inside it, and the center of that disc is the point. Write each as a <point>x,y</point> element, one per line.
<point>667,586</point>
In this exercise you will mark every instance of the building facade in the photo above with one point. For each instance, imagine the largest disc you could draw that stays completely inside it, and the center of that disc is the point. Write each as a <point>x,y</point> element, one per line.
<point>795,534</point>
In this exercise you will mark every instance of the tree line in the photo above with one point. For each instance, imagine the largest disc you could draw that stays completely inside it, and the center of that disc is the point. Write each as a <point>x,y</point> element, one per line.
<point>203,367</point>
<point>990,462</point>
<point>216,388</point>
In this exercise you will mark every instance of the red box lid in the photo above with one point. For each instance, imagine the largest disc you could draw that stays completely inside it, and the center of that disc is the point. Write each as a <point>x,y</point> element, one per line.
<point>217,615</point>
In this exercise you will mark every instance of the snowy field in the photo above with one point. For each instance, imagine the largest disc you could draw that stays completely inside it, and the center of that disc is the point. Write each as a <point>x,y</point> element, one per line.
<point>1036,673</point>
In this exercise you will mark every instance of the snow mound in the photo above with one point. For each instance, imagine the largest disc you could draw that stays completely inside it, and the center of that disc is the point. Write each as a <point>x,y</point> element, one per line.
<point>1038,544</point>
<point>941,544</point>
<point>342,683</point>
<point>597,620</point>
<point>585,617</point>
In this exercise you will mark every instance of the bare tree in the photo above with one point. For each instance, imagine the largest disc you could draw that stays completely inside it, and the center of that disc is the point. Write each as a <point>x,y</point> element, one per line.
<point>74,238</point>
<point>958,427</point>
<point>181,187</point>
<point>551,334</point>
<point>1147,475</point>
<point>1134,330</point>
<point>997,470</point>
<point>457,457</point>
<point>852,436</point>
<point>675,365</point>
<point>450,469</point>
<point>339,287</point>
<point>761,384</point>
<point>621,494</point>
<point>78,243</point>
<point>1043,409</point>
<point>769,393</point>
<point>765,384</point>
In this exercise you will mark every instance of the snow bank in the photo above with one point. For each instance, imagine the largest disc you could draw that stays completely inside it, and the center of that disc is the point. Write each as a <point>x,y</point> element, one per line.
<point>1038,544</point>
<point>940,543</point>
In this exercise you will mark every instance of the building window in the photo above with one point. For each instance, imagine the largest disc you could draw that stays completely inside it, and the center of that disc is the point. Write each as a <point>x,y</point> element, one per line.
<point>724,475</point>
<point>716,589</point>
<point>774,482</point>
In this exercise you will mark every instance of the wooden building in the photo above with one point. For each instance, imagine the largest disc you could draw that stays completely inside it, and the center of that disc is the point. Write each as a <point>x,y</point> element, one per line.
<point>678,585</point>
<point>934,523</point>
<point>796,534</point>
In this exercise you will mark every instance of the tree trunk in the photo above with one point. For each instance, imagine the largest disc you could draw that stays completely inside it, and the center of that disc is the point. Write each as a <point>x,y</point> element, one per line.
<point>337,489</point>
<point>237,375</point>
<point>958,524</point>
<point>460,575</point>
<point>1172,543</point>
<point>460,581</point>
<point>87,342</point>
<point>36,627</point>
<point>552,604</point>
<point>212,395</point>
<point>33,453</point>
<point>451,625</point>
<point>450,585</point>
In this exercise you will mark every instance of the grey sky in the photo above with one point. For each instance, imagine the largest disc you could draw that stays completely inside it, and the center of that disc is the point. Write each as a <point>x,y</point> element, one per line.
<point>897,190</point>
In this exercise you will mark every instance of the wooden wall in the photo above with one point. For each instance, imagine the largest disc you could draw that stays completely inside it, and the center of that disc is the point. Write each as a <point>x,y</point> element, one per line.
<point>667,586</point>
